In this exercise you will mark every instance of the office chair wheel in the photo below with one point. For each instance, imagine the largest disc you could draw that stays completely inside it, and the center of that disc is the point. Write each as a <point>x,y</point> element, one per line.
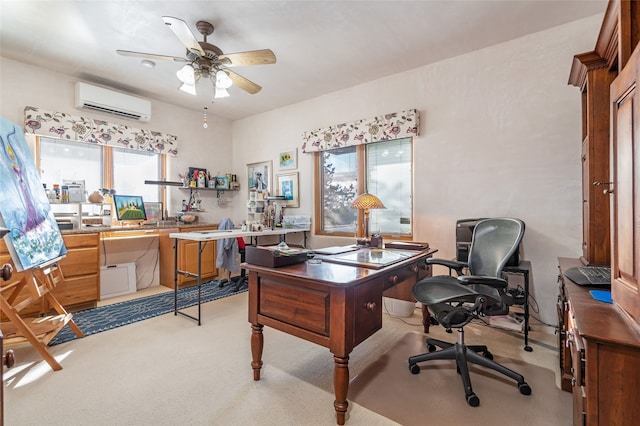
<point>414,368</point>
<point>473,400</point>
<point>524,388</point>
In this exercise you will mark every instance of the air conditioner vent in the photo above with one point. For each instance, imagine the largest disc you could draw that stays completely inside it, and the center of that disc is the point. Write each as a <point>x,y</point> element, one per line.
<point>111,102</point>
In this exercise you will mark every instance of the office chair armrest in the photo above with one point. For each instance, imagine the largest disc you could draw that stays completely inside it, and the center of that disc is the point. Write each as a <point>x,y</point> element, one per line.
<point>451,264</point>
<point>477,279</point>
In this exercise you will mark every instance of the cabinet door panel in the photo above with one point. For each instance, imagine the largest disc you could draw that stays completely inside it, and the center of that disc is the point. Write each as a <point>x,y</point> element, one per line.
<point>625,155</point>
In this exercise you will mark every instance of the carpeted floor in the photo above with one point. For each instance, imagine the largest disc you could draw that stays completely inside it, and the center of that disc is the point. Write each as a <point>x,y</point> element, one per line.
<point>103,318</point>
<point>436,396</point>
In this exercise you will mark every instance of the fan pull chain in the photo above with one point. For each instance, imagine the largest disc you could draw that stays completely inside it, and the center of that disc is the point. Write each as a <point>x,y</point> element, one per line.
<point>204,118</point>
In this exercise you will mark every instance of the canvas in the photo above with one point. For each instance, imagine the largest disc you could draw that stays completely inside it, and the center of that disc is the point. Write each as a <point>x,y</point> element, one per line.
<point>34,238</point>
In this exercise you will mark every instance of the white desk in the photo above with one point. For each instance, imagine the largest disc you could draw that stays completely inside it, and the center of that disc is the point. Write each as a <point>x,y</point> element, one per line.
<point>213,235</point>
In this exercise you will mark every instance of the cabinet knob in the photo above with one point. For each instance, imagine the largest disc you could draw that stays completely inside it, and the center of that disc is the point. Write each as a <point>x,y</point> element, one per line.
<point>7,271</point>
<point>370,306</point>
<point>393,279</point>
<point>414,269</point>
<point>8,359</point>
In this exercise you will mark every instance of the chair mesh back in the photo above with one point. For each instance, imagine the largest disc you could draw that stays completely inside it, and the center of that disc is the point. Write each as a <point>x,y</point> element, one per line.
<point>494,241</point>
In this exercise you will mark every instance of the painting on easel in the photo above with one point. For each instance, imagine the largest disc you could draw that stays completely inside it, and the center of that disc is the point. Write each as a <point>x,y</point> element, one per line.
<point>34,239</point>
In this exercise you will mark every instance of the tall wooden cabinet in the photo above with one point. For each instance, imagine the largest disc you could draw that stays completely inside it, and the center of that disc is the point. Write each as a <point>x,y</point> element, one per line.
<point>600,342</point>
<point>593,72</point>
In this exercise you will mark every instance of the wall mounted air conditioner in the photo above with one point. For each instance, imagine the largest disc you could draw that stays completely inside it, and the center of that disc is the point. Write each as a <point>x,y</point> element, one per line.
<point>108,101</point>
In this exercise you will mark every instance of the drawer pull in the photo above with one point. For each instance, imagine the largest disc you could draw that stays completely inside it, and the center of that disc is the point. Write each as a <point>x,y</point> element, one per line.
<point>7,272</point>
<point>370,306</point>
<point>414,269</point>
<point>393,279</point>
<point>9,359</point>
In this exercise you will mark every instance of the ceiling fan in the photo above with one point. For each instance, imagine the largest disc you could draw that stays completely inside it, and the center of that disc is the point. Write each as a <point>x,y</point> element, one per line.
<point>204,60</point>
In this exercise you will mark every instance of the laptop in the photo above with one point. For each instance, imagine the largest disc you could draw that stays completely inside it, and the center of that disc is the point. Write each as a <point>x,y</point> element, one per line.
<point>592,276</point>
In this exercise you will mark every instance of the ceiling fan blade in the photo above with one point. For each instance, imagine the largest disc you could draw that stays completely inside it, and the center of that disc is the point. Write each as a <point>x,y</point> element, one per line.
<point>253,57</point>
<point>151,56</point>
<point>243,83</point>
<point>182,31</point>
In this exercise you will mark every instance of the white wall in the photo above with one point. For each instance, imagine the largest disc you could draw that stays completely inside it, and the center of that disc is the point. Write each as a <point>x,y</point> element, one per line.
<point>499,136</point>
<point>25,85</point>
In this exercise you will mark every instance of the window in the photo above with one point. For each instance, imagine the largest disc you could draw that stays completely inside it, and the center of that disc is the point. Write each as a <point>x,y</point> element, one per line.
<point>381,168</point>
<point>64,160</point>
<point>131,169</point>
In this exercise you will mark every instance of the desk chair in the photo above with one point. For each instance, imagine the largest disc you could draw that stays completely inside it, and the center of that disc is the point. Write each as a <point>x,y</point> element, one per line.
<point>456,301</point>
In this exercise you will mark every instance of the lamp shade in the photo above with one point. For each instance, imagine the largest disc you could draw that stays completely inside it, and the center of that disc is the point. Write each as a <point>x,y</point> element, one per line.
<point>186,74</point>
<point>367,201</point>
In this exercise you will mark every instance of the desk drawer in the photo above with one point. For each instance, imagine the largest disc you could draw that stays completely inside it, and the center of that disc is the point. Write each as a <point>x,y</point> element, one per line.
<point>299,306</point>
<point>367,310</point>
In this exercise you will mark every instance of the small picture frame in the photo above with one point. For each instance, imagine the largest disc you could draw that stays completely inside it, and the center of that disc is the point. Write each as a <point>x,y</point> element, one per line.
<point>154,211</point>
<point>288,159</point>
<point>222,182</point>
<point>288,187</point>
<point>197,177</point>
<point>259,176</point>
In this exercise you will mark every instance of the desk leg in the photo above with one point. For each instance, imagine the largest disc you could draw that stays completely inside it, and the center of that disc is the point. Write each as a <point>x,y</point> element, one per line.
<point>341,386</point>
<point>175,276</point>
<point>426,318</point>
<point>257,344</point>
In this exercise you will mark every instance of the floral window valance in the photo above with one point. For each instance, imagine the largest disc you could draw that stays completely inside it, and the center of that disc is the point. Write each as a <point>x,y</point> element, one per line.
<point>88,130</point>
<point>384,127</point>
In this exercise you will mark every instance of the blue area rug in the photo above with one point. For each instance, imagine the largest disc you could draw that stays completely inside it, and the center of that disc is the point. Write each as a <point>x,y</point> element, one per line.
<point>103,318</point>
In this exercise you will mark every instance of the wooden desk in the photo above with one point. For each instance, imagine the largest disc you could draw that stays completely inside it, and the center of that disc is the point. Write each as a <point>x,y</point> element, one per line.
<point>334,305</point>
<point>203,237</point>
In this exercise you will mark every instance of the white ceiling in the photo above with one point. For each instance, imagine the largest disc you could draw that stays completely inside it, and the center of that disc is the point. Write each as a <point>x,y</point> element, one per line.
<point>321,46</point>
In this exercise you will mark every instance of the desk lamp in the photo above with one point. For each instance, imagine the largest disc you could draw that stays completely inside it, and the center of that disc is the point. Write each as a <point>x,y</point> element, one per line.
<point>365,202</point>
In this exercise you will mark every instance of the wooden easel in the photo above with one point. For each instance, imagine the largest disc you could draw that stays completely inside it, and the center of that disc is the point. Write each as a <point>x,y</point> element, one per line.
<point>40,330</point>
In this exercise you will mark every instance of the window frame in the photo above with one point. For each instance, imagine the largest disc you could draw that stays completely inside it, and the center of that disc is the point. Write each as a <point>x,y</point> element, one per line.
<point>107,165</point>
<point>361,173</point>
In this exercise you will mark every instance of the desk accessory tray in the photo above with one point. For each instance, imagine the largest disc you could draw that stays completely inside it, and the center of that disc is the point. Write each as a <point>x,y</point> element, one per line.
<point>272,257</point>
<point>370,258</point>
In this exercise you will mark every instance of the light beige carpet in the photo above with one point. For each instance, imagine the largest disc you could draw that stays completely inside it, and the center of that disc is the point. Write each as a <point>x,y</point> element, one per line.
<point>436,396</point>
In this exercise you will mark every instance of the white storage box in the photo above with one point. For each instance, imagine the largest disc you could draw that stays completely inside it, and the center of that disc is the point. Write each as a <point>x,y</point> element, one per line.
<point>116,280</point>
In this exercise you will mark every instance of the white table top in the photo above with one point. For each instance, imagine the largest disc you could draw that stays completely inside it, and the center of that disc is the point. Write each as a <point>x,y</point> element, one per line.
<point>218,234</point>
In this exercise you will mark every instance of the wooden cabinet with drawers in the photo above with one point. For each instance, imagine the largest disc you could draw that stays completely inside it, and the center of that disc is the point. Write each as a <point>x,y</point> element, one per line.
<point>81,286</point>
<point>187,257</point>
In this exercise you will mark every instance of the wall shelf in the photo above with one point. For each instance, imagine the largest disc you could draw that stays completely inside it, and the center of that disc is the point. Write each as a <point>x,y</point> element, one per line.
<point>190,188</point>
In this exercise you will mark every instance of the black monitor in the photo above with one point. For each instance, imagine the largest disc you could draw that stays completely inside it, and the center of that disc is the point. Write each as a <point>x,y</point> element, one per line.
<point>129,208</point>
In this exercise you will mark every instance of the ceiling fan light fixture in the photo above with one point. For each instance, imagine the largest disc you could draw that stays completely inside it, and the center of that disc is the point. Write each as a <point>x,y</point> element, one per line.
<point>221,92</point>
<point>188,88</point>
<point>223,80</point>
<point>186,74</point>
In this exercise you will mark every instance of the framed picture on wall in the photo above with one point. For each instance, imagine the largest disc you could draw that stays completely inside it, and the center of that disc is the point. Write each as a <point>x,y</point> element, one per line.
<point>288,159</point>
<point>259,176</point>
<point>288,187</point>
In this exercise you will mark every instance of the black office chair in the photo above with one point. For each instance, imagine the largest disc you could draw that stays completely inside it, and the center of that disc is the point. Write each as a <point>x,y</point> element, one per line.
<point>456,301</point>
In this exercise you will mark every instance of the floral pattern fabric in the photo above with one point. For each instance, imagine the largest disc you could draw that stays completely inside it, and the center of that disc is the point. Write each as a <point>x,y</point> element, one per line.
<point>88,130</point>
<point>381,128</point>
